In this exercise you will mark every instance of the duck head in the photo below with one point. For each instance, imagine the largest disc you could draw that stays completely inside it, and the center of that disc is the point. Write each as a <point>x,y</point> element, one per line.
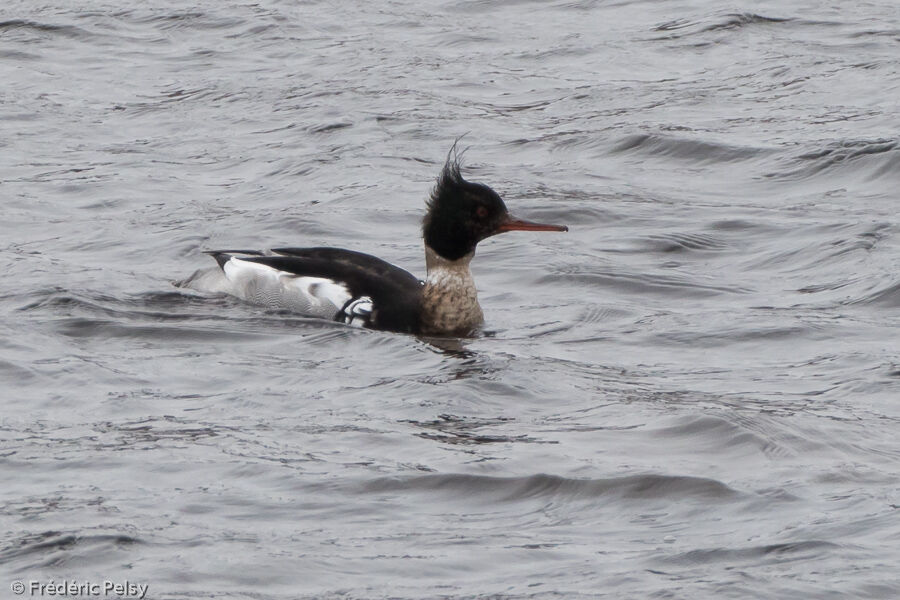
<point>461,214</point>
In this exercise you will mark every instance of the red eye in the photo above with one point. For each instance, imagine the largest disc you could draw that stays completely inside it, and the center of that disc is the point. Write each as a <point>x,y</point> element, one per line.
<point>481,211</point>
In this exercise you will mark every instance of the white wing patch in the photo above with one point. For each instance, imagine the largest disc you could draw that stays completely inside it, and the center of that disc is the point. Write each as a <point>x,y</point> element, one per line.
<point>267,286</point>
<point>357,312</point>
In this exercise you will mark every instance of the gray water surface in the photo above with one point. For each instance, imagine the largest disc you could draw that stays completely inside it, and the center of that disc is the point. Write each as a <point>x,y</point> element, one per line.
<point>691,394</point>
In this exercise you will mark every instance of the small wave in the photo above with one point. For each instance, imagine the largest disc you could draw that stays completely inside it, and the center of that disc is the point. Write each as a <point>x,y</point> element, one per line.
<point>728,336</point>
<point>69,31</point>
<point>329,127</point>
<point>190,20</point>
<point>698,151</point>
<point>17,55</point>
<point>52,547</point>
<point>685,242</point>
<point>887,296</point>
<point>156,306</point>
<point>868,159</point>
<point>451,429</point>
<point>828,286</point>
<point>639,283</point>
<point>779,553</point>
<point>743,225</point>
<point>479,6</point>
<point>16,372</point>
<point>168,317</point>
<point>178,95</point>
<point>594,313</point>
<point>76,327</point>
<point>150,431</point>
<point>811,248</point>
<point>724,22</point>
<point>512,489</point>
<point>776,552</point>
<point>738,20</point>
<point>889,33</point>
<point>715,435</point>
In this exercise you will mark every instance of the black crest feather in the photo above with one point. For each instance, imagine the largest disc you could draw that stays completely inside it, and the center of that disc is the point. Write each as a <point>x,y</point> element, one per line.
<point>450,180</point>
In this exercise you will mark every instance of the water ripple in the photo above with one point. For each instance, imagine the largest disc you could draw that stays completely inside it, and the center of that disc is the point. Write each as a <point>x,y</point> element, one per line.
<point>696,151</point>
<point>543,486</point>
<point>868,159</point>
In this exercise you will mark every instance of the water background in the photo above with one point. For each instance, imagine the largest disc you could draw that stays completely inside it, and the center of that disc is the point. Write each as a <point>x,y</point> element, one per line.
<point>691,394</point>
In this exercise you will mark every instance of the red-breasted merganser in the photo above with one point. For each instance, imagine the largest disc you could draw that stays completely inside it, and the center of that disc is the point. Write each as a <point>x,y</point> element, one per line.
<point>356,288</point>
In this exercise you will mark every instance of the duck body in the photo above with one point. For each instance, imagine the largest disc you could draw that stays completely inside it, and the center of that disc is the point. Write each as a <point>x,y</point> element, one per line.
<point>332,283</point>
<point>359,289</point>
